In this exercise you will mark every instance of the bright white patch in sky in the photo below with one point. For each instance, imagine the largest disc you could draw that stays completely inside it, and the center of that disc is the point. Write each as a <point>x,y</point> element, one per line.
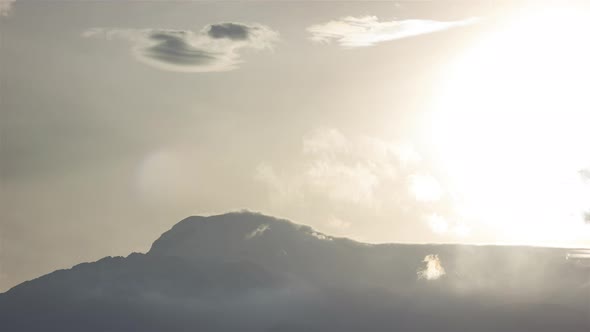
<point>438,224</point>
<point>425,188</point>
<point>510,129</point>
<point>407,154</point>
<point>368,30</point>
<point>461,229</point>
<point>338,223</point>
<point>433,269</point>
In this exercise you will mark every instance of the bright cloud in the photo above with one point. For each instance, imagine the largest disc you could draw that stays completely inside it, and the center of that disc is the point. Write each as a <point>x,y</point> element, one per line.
<point>357,177</point>
<point>321,236</point>
<point>257,232</point>
<point>336,167</point>
<point>215,48</point>
<point>368,30</point>
<point>338,223</point>
<point>438,224</point>
<point>433,269</point>
<point>441,225</point>
<point>425,188</point>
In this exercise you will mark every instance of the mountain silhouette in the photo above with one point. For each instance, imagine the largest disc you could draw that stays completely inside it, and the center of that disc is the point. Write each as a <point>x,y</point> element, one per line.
<point>245,271</point>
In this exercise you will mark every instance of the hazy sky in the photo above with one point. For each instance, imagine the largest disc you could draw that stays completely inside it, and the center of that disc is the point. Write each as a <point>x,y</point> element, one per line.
<point>385,122</point>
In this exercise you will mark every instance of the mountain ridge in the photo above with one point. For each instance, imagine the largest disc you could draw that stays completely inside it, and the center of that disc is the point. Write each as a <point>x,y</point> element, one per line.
<point>220,272</point>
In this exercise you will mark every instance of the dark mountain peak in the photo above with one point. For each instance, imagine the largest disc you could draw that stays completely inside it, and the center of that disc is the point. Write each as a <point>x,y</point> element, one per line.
<point>234,235</point>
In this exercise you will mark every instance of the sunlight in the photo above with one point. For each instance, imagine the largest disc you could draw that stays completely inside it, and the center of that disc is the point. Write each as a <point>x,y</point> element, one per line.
<point>425,188</point>
<point>509,128</point>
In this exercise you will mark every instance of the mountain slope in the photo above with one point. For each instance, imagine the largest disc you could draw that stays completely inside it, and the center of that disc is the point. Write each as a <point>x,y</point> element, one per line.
<point>250,272</point>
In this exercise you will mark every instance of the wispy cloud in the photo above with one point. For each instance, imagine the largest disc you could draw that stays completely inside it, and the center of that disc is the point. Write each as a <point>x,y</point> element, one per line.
<point>368,30</point>
<point>6,7</point>
<point>215,48</point>
<point>433,269</point>
<point>338,223</point>
<point>578,254</point>
<point>336,167</point>
<point>440,225</point>
<point>321,236</point>
<point>358,175</point>
<point>257,232</point>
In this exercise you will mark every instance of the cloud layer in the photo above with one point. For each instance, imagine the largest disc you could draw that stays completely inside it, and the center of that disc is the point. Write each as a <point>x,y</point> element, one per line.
<point>215,48</point>
<point>368,30</point>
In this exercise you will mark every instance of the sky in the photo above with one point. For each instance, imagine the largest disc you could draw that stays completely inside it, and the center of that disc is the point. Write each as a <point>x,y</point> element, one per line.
<point>414,122</point>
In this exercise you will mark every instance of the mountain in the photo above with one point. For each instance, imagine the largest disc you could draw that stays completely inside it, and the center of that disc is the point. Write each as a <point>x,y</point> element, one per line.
<point>249,272</point>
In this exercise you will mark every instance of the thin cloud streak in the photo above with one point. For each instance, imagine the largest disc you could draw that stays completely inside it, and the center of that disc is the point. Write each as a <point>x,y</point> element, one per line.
<point>365,31</point>
<point>257,232</point>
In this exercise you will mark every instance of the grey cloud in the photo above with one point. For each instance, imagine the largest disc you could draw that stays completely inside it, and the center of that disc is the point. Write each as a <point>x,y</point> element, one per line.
<point>172,47</point>
<point>232,31</point>
<point>215,48</point>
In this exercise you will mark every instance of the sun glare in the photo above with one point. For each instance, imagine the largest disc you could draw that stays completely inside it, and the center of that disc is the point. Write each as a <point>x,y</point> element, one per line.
<point>510,129</point>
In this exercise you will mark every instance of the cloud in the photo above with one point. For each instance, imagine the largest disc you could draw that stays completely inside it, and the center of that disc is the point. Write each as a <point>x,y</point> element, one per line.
<point>438,224</point>
<point>6,7</point>
<point>232,31</point>
<point>215,48</point>
<point>325,140</point>
<point>257,232</point>
<point>425,188</point>
<point>442,226</point>
<point>433,269</point>
<point>321,236</point>
<point>338,223</point>
<point>585,174</point>
<point>364,171</point>
<point>335,167</point>
<point>357,177</point>
<point>578,254</point>
<point>368,30</point>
